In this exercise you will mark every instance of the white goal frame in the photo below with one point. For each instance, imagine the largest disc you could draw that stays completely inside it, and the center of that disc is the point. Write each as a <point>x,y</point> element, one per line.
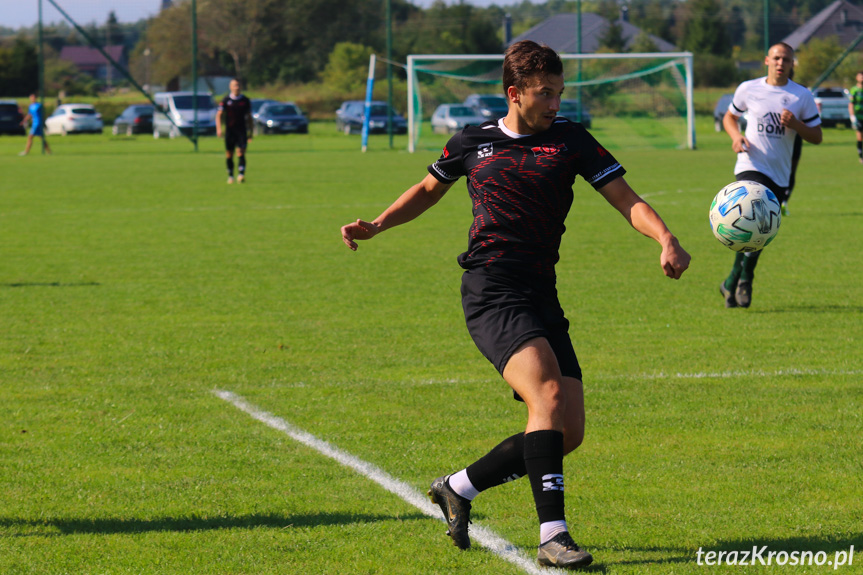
<point>672,57</point>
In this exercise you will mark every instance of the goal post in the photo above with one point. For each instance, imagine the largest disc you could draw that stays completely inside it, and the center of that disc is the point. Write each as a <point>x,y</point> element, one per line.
<point>617,89</point>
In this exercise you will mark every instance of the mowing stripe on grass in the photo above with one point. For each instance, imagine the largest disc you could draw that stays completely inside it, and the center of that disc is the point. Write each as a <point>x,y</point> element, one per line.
<point>743,373</point>
<point>485,537</point>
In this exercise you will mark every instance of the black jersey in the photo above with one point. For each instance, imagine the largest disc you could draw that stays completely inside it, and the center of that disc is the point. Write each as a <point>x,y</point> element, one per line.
<point>235,111</point>
<point>521,189</point>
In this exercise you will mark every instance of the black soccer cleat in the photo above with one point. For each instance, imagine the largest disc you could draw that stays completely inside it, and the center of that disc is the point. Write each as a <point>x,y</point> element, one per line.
<point>743,295</point>
<point>562,551</point>
<point>456,511</point>
<point>728,295</point>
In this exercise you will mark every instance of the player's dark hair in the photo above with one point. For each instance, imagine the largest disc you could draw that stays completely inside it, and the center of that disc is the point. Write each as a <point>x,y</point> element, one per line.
<point>525,62</point>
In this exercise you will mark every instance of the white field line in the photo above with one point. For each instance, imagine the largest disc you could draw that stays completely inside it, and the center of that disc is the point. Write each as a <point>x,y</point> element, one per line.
<point>485,537</point>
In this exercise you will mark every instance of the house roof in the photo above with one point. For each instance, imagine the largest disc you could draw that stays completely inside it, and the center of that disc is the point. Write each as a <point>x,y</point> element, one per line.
<point>559,32</point>
<point>841,19</point>
<point>84,56</point>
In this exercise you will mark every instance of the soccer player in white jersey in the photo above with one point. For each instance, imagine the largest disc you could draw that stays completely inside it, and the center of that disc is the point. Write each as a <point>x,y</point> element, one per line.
<point>778,110</point>
<point>520,172</point>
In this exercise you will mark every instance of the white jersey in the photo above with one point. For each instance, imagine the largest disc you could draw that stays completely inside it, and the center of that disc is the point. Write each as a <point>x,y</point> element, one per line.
<point>771,143</point>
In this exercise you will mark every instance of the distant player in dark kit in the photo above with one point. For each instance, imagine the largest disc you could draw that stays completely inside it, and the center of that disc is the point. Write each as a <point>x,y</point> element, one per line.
<point>520,171</point>
<point>36,114</point>
<point>237,111</point>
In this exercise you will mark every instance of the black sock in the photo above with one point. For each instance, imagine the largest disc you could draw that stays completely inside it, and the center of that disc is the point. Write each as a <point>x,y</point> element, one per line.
<point>747,274</point>
<point>860,149</point>
<point>242,168</point>
<point>503,463</point>
<point>543,458</point>
<point>230,163</point>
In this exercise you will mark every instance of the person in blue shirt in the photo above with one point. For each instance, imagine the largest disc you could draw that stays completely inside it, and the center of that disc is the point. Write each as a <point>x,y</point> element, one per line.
<point>35,113</point>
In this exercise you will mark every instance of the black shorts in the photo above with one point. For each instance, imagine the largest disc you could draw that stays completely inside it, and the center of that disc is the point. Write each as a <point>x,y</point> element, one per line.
<point>504,310</point>
<point>781,192</point>
<point>236,139</point>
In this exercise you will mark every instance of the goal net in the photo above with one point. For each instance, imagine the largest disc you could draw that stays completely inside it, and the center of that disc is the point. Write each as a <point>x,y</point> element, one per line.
<point>628,100</point>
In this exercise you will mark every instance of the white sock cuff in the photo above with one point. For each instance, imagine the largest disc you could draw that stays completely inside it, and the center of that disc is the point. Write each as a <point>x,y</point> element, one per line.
<point>462,485</point>
<point>551,529</point>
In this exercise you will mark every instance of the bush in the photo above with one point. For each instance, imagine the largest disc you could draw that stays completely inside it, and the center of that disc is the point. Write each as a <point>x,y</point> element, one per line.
<point>710,70</point>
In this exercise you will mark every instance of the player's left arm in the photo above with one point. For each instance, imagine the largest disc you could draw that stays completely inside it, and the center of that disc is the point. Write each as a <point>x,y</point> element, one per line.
<point>811,134</point>
<point>250,125</point>
<point>642,217</point>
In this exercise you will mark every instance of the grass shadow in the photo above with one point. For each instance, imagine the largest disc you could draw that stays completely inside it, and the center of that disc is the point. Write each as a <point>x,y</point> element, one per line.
<point>833,308</point>
<point>115,525</point>
<point>50,284</point>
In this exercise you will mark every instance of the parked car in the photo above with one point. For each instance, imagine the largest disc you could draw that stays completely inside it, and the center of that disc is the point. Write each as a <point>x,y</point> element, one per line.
<point>450,118</point>
<point>256,106</point>
<point>134,120</point>
<point>72,118</point>
<point>833,106</point>
<point>349,118</point>
<point>569,110</point>
<point>719,113</point>
<point>180,107</point>
<point>281,117</point>
<point>10,118</point>
<point>489,106</point>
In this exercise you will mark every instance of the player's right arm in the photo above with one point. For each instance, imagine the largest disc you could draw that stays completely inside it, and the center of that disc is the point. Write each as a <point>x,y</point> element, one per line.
<point>413,202</point>
<point>739,143</point>
<point>219,119</point>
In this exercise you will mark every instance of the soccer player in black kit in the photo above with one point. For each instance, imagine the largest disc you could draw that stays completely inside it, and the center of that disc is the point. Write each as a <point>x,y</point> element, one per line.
<point>520,171</point>
<point>237,110</point>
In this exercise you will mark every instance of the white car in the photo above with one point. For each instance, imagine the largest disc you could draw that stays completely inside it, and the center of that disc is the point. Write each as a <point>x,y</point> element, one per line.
<point>450,118</point>
<point>70,118</point>
<point>833,106</point>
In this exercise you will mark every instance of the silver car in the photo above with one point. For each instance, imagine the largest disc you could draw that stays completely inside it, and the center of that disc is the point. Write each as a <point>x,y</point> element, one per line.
<point>71,118</point>
<point>450,118</point>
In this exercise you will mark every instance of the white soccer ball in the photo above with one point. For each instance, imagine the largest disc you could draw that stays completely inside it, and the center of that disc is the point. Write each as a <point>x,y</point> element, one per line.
<point>745,216</point>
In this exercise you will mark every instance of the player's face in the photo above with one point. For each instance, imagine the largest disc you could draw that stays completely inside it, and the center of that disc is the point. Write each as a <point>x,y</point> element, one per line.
<point>860,79</point>
<point>780,61</point>
<point>234,87</point>
<point>538,104</point>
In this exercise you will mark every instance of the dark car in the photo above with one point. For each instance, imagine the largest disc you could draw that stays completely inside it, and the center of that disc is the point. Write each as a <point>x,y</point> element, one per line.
<point>349,118</point>
<point>719,113</point>
<point>281,118</point>
<point>569,110</point>
<point>10,118</point>
<point>257,103</point>
<point>489,106</point>
<point>134,120</point>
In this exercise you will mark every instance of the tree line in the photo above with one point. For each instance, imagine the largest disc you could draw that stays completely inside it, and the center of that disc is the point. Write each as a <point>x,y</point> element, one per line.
<point>278,42</point>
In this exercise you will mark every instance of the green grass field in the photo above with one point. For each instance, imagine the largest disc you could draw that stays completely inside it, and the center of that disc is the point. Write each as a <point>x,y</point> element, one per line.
<point>134,283</point>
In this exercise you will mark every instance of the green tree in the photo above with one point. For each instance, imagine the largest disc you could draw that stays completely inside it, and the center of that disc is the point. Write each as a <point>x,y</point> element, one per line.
<point>643,43</point>
<point>19,67</point>
<point>113,34</point>
<point>237,28</point>
<point>705,30</point>
<point>814,57</point>
<point>347,69</point>
<point>612,39</point>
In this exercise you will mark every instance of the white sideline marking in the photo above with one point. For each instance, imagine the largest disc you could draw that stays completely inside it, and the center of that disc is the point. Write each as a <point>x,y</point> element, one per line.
<point>485,537</point>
